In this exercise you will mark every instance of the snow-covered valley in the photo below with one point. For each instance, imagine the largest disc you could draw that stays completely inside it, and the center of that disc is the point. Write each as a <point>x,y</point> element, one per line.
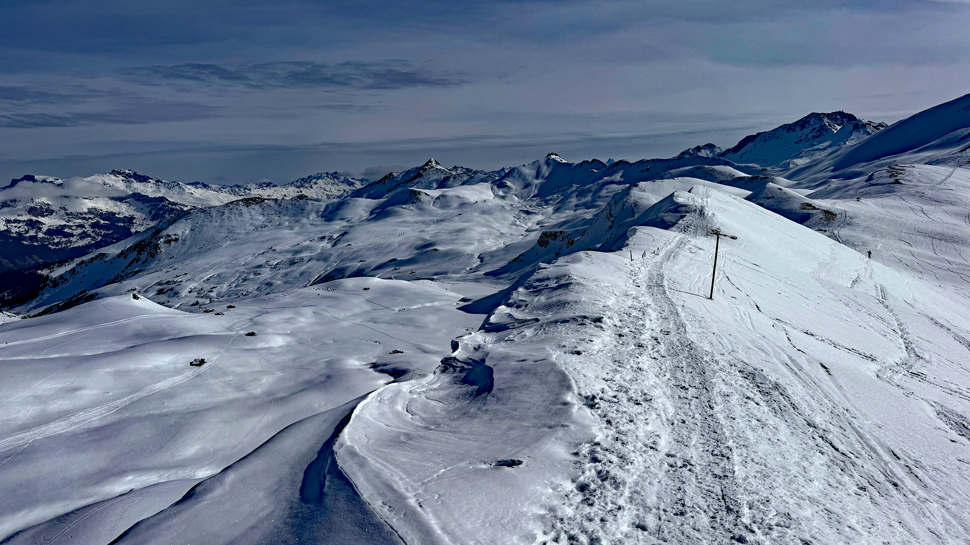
<point>527,355</point>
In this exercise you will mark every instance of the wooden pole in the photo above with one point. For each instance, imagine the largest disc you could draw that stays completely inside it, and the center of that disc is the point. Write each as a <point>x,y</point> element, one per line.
<point>714,274</point>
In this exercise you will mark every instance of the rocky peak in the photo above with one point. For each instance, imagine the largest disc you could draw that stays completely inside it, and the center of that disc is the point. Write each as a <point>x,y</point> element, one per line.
<point>33,179</point>
<point>705,150</point>
<point>129,174</point>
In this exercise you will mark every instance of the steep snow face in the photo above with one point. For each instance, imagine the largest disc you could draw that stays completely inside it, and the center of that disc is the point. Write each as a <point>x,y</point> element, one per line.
<point>42,222</point>
<point>796,143</point>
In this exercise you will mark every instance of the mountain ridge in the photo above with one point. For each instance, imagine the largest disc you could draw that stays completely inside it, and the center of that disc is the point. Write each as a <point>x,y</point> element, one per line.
<point>539,354</point>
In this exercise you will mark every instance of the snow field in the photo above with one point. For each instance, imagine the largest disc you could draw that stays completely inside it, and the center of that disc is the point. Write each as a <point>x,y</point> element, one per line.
<point>820,397</point>
<point>127,412</point>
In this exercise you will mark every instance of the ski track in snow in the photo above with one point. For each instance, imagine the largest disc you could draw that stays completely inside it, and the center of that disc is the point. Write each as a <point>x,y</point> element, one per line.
<point>700,493</point>
<point>80,418</point>
<point>715,422</point>
<point>87,329</point>
<point>669,456</point>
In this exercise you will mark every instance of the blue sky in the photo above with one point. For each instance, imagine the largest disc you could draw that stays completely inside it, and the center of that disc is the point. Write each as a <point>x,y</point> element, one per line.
<point>248,90</point>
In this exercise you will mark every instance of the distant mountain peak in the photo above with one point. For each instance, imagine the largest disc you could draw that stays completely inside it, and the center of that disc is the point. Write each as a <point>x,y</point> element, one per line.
<point>795,142</point>
<point>555,157</point>
<point>132,175</point>
<point>705,150</point>
<point>315,178</point>
<point>34,179</point>
<point>431,163</point>
<point>833,121</point>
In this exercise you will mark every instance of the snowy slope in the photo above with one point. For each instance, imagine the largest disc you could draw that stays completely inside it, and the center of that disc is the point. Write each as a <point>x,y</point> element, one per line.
<point>391,230</point>
<point>913,133</point>
<point>520,356</point>
<point>796,143</point>
<point>105,392</point>
<point>785,410</point>
<point>911,217</point>
<point>45,220</point>
<point>937,136</point>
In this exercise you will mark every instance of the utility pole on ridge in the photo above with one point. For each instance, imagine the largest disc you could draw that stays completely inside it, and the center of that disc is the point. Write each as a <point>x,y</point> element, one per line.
<point>717,244</point>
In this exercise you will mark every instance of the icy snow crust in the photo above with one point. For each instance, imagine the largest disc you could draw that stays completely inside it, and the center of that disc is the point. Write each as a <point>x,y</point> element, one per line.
<point>523,356</point>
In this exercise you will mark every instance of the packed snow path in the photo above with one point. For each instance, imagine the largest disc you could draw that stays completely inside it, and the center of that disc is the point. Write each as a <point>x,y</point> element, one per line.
<point>699,494</point>
<point>742,429</point>
<point>663,470</point>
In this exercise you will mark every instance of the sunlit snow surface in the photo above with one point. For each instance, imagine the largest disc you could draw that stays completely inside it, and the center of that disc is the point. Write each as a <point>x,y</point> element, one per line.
<point>527,356</point>
<point>100,402</point>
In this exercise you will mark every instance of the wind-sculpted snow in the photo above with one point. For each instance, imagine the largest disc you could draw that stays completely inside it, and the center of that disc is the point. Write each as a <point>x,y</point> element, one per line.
<point>105,394</point>
<point>527,355</point>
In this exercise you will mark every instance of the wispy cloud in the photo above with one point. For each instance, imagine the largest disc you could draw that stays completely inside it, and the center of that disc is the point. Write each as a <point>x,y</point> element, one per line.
<point>134,112</point>
<point>26,94</point>
<point>384,75</point>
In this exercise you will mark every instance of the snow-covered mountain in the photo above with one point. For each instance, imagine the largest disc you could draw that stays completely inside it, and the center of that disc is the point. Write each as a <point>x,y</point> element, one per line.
<point>527,355</point>
<point>45,220</point>
<point>938,136</point>
<point>796,143</point>
<point>430,175</point>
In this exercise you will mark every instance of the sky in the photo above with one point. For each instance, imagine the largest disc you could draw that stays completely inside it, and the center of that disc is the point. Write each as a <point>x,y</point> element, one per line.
<point>240,91</point>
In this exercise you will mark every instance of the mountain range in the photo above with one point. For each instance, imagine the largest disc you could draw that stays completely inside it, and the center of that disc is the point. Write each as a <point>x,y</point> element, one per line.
<point>537,354</point>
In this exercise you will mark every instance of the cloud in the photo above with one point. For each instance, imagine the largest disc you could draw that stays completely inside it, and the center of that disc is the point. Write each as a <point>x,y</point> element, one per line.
<point>379,171</point>
<point>133,112</point>
<point>23,94</point>
<point>34,94</point>
<point>382,75</point>
<point>71,187</point>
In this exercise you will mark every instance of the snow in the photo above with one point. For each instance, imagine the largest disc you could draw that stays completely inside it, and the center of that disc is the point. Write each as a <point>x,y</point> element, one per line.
<point>521,356</point>
<point>46,220</point>
<point>797,143</point>
<point>909,134</point>
<point>104,391</point>
<point>938,136</point>
<point>794,406</point>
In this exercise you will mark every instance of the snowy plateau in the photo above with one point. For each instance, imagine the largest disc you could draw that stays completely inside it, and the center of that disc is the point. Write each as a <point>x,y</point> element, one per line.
<point>528,355</point>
